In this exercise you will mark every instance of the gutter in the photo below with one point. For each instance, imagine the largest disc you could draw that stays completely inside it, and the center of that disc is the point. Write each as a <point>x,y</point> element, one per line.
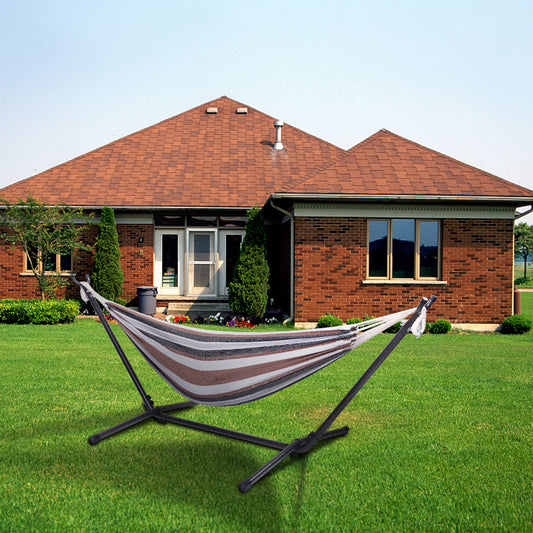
<point>518,200</point>
<point>519,215</point>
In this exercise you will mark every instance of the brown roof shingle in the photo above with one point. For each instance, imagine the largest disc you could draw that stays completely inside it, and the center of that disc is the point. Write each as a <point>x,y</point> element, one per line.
<point>387,164</point>
<point>226,159</point>
<point>195,159</point>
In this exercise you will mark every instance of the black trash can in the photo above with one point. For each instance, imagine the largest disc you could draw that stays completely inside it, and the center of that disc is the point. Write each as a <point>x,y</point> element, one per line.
<point>147,300</point>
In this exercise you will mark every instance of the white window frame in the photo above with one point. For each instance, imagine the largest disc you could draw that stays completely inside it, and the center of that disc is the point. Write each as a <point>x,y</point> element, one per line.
<point>213,260</point>
<point>158,262</point>
<point>222,270</point>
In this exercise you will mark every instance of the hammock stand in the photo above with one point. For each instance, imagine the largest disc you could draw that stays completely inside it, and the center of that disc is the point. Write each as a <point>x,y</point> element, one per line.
<point>298,446</point>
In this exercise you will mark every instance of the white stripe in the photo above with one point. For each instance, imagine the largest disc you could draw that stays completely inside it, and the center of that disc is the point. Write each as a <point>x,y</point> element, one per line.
<point>232,386</point>
<point>210,365</point>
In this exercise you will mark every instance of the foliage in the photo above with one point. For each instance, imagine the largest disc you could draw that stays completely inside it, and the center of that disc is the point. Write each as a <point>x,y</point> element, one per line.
<point>38,311</point>
<point>523,243</point>
<point>394,328</point>
<point>248,290</point>
<point>516,325</point>
<point>43,231</point>
<point>354,320</point>
<point>107,276</point>
<point>328,321</point>
<point>523,281</point>
<point>440,327</point>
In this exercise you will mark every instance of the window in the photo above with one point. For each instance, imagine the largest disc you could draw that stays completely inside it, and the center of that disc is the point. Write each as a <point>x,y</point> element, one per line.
<point>404,248</point>
<point>50,263</point>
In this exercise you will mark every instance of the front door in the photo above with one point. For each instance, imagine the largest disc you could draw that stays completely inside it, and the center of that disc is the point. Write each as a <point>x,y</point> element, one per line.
<point>201,263</point>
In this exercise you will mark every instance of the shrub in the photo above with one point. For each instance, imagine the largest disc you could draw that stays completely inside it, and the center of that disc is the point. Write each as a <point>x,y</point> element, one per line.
<point>516,324</point>
<point>329,320</point>
<point>440,327</point>
<point>523,281</point>
<point>248,290</point>
<point>394,328</point>
<point>38,311</point>
<point>107,277</point>
<point>354,320</point>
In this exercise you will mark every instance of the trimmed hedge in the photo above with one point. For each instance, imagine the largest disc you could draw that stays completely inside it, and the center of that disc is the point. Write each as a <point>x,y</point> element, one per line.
<point>516,324</point>
<point>38,311</point>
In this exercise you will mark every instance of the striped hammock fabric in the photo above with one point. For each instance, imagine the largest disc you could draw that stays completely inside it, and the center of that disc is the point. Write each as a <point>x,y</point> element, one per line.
<point>230,368</point>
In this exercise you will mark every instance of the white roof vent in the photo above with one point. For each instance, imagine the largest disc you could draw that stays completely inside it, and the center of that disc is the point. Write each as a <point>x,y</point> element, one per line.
<point>278,145</point>
<point>212,110</point>
<point>242,111</point>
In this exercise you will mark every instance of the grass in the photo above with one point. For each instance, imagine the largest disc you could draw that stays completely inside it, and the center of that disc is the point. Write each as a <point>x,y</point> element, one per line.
<point>441,440</point>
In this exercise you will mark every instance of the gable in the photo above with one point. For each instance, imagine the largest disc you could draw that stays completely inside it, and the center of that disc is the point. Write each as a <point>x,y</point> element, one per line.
<point>387,164</point>
<point>199,158</point>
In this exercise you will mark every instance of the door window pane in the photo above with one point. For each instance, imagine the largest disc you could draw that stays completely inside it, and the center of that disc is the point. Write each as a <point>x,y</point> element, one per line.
<point>202,276</point>
<point>233,249</point>
<point>429,248</point>
<point>170,260</point>
<point>403,248</point>
<point>377,248</point>
<point>202,247</point>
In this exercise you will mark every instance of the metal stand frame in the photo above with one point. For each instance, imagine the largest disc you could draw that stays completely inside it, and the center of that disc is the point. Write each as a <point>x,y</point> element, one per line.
<point>296,447</point>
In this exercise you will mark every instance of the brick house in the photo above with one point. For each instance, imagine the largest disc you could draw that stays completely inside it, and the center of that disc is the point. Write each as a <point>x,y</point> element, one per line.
<point>363,231</point>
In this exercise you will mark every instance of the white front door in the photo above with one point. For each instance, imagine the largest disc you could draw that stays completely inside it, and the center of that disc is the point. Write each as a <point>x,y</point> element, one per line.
<point>201,259</point>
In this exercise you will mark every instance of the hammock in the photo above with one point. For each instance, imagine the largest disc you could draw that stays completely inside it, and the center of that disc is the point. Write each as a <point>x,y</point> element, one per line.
<point>230,368</point>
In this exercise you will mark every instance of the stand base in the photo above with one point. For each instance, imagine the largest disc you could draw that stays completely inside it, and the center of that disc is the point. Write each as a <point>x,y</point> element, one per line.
<point>296,447</point>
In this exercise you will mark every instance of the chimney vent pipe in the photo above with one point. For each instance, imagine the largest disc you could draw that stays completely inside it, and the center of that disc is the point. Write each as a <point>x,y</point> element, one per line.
<point>278,145</point>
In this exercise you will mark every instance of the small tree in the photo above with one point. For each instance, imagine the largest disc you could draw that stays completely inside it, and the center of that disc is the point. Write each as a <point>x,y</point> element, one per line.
<point>43,231</point>
<point>107,277</point>
<point>523,243</point>
<point>248,290</point>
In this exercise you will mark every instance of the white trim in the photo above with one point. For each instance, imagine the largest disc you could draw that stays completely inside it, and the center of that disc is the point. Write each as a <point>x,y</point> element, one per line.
<point>387,210</point>
<point>139,218</point>
<point>222,258</point>
<point>211,290</point>
<point>158,262</point>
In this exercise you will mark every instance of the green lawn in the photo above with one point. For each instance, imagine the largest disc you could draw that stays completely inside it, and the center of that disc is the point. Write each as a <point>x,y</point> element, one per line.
<point>441,440</point>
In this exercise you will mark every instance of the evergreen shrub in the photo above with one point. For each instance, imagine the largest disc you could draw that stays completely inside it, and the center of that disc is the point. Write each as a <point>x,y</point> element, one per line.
<point>107,277</point>
<point>248,290</point>
<point>440,327</point>
<point>328,321</point>
<point>38,311</point>
<point>354,320</point>
<point>516,325</point>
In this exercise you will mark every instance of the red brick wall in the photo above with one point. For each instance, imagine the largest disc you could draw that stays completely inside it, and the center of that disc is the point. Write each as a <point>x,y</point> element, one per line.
<point>136,261</point>
<point>330,266</point>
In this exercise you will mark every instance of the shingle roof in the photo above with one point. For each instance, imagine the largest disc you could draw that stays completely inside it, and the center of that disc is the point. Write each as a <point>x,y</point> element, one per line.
<point>387,164</point>
<point>195,159</point>
<point>200,158</point>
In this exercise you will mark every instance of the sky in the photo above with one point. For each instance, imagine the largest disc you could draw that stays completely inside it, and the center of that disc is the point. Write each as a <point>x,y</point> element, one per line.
<point>455,76</point>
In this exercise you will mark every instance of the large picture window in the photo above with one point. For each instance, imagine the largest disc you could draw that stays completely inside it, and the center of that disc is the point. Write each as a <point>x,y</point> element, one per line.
<point>403,248</point>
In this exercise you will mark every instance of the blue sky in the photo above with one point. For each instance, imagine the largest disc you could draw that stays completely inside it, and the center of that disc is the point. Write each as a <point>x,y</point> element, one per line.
<point>454,75</point>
